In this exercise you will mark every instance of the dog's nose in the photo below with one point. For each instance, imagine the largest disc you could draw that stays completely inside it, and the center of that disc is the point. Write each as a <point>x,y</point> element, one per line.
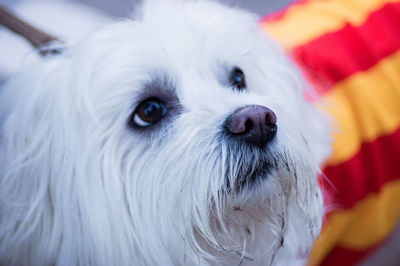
<point>254,123</point>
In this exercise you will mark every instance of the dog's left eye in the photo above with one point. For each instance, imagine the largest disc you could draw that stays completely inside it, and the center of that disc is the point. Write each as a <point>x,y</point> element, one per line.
<point>237,79</point>
<point>148,113</point>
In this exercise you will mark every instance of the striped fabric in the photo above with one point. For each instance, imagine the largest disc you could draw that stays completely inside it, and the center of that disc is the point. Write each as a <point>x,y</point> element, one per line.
<point>350,51</point>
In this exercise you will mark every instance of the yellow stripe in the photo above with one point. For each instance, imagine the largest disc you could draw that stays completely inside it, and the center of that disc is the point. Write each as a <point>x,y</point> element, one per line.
<point>372,220</point>
<point>365,106</point>
<point>305,22</point>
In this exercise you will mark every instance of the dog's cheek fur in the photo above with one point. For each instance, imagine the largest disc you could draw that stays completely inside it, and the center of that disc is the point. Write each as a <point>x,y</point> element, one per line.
<point>37,189</point>
<point>61,192</point>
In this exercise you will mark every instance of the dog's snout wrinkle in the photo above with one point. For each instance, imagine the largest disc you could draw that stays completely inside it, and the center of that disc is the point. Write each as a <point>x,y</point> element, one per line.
<point>255,124</point>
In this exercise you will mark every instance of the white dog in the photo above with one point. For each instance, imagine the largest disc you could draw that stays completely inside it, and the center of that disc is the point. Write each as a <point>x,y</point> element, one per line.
<point>179,138</point>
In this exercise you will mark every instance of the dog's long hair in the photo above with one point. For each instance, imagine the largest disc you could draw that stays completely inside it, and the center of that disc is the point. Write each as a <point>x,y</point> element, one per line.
<point>79,186</point>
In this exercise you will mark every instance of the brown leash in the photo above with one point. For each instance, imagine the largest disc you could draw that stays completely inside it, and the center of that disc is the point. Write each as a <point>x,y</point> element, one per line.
<point>39,39</point>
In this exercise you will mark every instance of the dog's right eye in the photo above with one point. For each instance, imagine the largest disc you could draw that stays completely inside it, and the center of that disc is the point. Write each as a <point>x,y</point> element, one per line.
<point>237,79</point>
<point>148,113</point>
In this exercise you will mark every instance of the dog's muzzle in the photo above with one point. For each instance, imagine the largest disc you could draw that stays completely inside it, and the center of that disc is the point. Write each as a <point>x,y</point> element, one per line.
<point>254,124</point>
<point>249,130</point>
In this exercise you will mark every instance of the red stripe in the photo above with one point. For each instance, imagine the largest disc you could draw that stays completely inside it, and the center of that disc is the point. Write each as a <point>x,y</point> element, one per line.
<point>335,56</point>
<point>374,165</point>
<point>280,14</point>
<point>343,256</point>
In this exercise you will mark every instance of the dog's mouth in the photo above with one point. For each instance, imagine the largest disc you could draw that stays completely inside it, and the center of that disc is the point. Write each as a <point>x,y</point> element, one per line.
<point>250,177</point>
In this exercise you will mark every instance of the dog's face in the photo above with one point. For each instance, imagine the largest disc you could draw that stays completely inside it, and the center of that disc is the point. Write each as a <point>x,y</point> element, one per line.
<point>182,137</point>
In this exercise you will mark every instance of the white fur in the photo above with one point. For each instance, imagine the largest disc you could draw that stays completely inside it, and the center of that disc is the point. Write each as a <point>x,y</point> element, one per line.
<point>78,186</point>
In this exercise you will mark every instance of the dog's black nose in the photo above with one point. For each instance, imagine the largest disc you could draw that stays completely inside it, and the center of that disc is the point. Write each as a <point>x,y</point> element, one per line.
<point>255,124</point>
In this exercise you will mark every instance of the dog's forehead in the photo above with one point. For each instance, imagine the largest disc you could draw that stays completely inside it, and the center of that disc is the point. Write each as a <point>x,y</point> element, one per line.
<point>187,34</point>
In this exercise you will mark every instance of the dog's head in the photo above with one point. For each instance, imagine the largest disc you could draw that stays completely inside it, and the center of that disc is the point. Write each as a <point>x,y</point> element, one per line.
<point>180,137</point>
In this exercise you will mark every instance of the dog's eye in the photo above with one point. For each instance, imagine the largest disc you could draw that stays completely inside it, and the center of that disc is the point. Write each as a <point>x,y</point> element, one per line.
<point>148,113</point>
<point>237,79</point>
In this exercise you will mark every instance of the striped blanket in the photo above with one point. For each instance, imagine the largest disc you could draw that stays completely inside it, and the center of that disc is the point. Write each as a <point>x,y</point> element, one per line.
<point>350,51</point>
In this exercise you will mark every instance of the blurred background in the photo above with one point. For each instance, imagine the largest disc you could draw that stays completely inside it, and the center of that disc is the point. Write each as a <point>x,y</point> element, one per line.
<point>122,8</point>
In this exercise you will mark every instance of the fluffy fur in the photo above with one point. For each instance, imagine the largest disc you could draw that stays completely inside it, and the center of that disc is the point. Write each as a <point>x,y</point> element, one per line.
<point>79,186</point>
